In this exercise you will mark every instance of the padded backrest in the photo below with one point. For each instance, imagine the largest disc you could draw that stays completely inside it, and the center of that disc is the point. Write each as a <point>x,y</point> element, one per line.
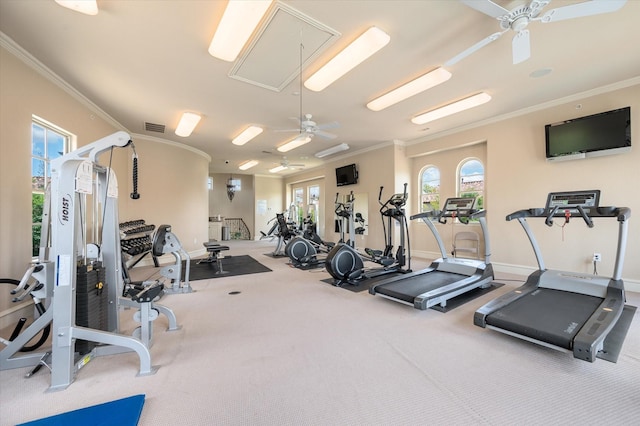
<point>159,239</point>
<point>283,228</point>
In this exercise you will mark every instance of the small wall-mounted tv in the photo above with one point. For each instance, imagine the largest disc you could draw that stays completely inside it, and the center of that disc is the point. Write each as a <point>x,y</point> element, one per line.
<point>605,133</point>
<point>347,175</point>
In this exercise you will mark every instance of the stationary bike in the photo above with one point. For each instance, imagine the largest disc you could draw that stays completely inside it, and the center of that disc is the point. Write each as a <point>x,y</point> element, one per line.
<point>346,264</point>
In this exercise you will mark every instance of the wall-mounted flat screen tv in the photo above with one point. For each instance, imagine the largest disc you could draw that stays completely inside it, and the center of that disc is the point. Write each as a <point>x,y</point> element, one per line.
<point>346,175</point>
<point>605,133</point>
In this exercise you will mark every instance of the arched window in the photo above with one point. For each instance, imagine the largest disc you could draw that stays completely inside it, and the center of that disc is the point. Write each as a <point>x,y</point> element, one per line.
<point>430,189</point>
<point>471,180</point>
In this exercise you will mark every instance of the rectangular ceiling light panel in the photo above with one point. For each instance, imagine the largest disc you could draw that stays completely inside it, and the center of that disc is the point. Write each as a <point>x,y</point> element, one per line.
<point>360,49</point>
<point>452,108</point>
<point>272,59</point>
<point>240,19</point>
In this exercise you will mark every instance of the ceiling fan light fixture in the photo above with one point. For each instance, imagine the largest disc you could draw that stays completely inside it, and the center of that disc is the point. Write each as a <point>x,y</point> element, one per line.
<point>277,169</point>
<point>187,123</point>
<point>418,85</point>
<point>240,19</point>
<point>333,150</point>
<point>452,108</point>
<point>351,56</point>
<point>246,135</point>
<point>295,143</point>
<point>248,164</point>
<point>88,7</point>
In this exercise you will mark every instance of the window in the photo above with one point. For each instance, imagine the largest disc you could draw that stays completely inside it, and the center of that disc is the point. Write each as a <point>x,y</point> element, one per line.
<point>312,204</point>
<point>430,189</point>
<point>471,181</point>
<point>298,201</point>
<point>47,143</point>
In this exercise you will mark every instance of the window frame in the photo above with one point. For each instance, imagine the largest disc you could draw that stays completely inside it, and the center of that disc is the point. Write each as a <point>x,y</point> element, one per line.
<point>480,201</point>
<point>421,186</point>
<point>38,192</point>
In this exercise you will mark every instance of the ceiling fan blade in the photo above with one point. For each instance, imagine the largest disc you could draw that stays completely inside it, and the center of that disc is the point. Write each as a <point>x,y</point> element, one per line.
<point>331,125</point>
<point>521,46</point>
<point>287,130</point>
<point>587,8</point>
<point>487,7</point>
<point>472,49</point>
<point>325,135</point>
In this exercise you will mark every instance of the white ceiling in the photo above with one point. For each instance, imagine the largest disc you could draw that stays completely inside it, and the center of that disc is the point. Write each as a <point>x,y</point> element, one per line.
<point>147,61</point>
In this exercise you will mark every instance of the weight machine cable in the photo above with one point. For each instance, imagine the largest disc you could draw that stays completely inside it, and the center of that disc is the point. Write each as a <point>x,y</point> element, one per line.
<point>135,195</point>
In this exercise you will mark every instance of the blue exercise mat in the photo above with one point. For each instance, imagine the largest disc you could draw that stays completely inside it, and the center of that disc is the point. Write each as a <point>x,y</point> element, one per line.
<point>121,412</point>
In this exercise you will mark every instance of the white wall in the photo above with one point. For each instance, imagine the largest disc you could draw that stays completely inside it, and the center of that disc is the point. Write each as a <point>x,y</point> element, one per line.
<point>269,193</point>
<point>243,204</point>
<point>172,180</point>
<point>519,177</point>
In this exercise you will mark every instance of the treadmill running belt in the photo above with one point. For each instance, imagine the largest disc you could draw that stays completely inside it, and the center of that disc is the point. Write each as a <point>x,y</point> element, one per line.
<point>551,316</point>
<point>407,289</point>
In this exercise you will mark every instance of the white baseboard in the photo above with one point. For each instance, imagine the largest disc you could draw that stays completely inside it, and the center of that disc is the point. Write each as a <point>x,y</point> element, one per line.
<point>9,317</point>
<point>525,271</point>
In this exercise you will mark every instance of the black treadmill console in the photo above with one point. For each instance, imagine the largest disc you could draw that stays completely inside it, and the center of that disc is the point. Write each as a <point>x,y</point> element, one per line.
<point>563,201</point>
<point>461,205</point>
<point>461,208</point>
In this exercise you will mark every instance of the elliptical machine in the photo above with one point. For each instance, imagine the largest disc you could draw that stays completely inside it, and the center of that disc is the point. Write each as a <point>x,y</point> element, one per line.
<point>303,250</point>
<point>345,263</point>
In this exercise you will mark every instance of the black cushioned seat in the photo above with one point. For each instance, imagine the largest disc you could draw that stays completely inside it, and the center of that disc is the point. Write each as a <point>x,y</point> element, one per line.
<point>214,250</point>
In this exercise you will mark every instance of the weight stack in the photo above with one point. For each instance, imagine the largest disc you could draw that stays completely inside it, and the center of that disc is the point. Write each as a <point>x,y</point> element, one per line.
<point>91,302</point>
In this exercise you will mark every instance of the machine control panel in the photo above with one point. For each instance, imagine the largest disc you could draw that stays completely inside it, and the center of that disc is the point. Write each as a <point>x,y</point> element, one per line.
<point>563,202</point>
<point>453,204</point>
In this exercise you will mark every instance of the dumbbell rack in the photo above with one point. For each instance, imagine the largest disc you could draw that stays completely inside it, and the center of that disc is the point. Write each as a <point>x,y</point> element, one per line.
<point>135,242</point>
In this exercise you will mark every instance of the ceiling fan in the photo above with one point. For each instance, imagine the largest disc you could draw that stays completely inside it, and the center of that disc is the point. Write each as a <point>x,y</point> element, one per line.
<point>306,125</point>
<point>286,165</point>
<point>311,128</point>
<point>518,18</point>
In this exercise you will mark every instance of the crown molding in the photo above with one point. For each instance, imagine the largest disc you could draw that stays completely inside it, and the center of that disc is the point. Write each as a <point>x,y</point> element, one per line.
<point>550,104</point>
<point>173,144</point>
<point>16,50</point>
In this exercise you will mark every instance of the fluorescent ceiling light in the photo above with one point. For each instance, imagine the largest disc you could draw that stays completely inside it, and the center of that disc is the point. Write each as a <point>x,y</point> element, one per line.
<point>360,49</point>
<point>88,7</point>
<point>420,84</point>
<point>277,169</point>
<point>455,107</point>
<point>187,123</point>
<point>298,141</point>
<point>240,19</point>
<point>332,150</point>
<point>248,134</point>
<point>248,164</point>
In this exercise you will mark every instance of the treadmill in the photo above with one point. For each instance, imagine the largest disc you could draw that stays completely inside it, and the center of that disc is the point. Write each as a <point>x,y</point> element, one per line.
<point>446,277</point>
<point>567,311</point>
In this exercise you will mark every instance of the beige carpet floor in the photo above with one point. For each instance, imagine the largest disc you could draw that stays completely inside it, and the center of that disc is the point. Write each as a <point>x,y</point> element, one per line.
<point>292,350</point>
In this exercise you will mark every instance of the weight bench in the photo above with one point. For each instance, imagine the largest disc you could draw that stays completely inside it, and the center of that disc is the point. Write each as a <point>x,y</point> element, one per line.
<point>214,250</point>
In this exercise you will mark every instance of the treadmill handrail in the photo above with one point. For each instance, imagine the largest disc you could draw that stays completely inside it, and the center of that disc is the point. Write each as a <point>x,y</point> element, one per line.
<point>621,213</point>
<point>470,214</point>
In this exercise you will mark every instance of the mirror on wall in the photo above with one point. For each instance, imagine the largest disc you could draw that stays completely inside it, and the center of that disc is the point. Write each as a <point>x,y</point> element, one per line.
<point>360,215</point>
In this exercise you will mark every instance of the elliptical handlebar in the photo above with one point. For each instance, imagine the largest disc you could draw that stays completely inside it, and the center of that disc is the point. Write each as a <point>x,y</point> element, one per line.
<point>344,209</point>
<point>397,200</point>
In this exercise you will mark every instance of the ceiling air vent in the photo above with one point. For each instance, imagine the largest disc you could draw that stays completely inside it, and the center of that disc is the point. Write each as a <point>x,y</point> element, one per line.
<point>272,59</point>
<point>152,127</point>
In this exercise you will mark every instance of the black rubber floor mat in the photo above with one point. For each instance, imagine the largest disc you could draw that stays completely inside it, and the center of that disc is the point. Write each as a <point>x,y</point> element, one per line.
<point>231,265</point>
<point>612,344</point>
